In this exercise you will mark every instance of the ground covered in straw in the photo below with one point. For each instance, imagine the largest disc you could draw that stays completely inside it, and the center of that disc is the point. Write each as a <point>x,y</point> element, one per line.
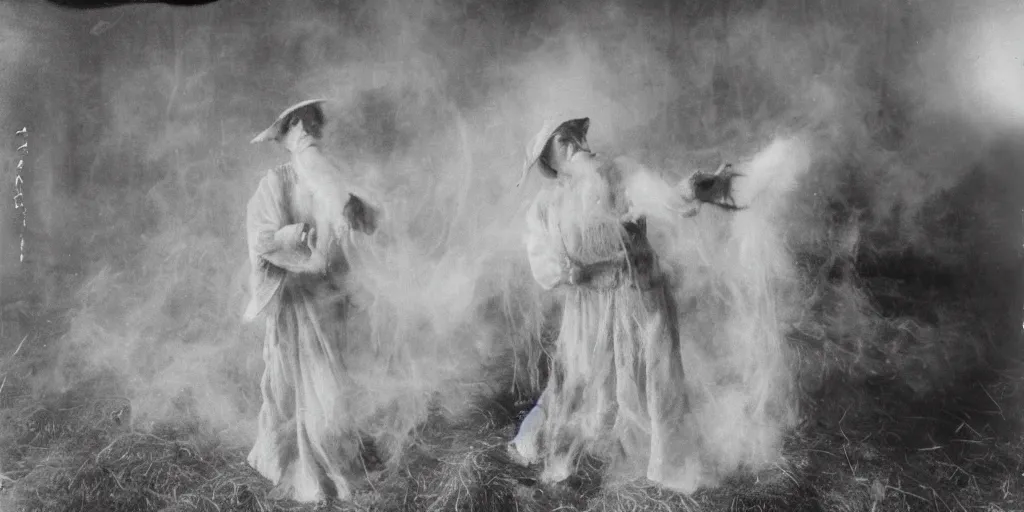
<point>868,446</point>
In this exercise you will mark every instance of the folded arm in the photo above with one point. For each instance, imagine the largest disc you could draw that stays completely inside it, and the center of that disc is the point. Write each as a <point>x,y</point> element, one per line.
<point>289,248</point>
<point>271,241</point>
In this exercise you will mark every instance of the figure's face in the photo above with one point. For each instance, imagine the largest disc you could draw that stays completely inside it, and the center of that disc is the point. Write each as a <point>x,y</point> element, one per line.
<point>291,137</point>
<point>569,140</point>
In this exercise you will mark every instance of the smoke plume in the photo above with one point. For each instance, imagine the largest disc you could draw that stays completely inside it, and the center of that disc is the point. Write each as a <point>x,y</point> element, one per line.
<point>431,105</point>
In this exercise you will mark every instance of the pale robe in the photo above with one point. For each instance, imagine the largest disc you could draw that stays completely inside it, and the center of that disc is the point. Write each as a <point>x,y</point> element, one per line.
<point>616,389</point>
<point>302,444</point>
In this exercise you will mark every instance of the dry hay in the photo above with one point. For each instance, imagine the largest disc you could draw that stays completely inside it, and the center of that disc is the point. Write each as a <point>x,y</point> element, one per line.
<point>140,471</point>
<point>858,329</point>
<point>864,452</point>
<point>875,443</point>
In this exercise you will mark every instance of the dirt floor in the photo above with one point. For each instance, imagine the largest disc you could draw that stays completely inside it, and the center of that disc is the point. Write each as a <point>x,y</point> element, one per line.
<point>866,448</point>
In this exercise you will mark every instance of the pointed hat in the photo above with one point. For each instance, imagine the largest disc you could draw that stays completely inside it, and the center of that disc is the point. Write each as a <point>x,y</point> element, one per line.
<point>274,129</point>
<point>536,146</point>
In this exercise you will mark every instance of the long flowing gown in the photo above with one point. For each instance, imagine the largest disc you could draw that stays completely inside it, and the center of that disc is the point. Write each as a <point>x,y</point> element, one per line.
<point>616,389</point>
<point>302,445</point>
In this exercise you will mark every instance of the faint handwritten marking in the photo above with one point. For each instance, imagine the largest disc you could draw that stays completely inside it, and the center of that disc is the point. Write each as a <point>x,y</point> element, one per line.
<point>19,194</point>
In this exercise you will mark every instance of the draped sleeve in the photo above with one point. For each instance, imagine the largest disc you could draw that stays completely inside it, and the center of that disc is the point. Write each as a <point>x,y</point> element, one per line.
<point>649,195</point>
<point>544,256</point>
<point>266,213</point>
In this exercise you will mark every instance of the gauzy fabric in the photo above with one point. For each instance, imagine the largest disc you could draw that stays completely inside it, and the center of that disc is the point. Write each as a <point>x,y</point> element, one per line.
<point>616,386</point>
<point>302,445</point>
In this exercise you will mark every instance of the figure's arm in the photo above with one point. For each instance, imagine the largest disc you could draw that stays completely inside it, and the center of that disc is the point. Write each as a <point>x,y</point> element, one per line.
<point>287,247</point>
<point>649,195</point>
<point>549,266</point>
<point>291,248</point>
<point>685,198</point>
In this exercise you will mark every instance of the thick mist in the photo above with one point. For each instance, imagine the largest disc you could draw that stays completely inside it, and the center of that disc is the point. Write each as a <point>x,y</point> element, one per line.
<point>432,104</point>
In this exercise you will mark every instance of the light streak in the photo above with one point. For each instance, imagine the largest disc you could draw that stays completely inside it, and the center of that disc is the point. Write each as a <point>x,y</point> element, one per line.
<point>19,194</point>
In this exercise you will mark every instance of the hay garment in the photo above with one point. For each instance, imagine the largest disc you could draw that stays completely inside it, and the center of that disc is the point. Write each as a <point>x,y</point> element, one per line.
<point>616,387</point>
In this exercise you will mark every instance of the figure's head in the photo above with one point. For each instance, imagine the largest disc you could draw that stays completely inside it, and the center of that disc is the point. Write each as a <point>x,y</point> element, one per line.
<point>306,117</point>
<point>568,139</point>
<point>555,145</point>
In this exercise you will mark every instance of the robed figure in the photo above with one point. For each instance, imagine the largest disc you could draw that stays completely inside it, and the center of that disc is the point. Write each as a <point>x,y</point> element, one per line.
<point>303,223</point>
<point>616,389</point>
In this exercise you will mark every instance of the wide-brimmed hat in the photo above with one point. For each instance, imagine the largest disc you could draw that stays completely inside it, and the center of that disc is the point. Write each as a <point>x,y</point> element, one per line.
<point>275,128</point>
<point>537,144</point>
